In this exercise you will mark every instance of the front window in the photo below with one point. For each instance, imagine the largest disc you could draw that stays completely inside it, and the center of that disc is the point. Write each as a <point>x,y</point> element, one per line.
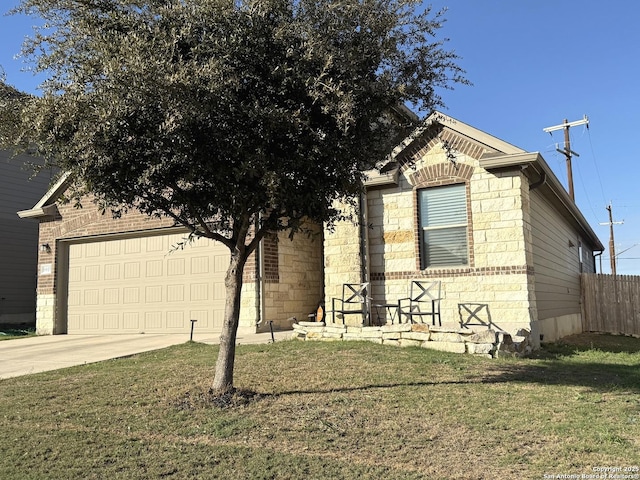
<point>442,215</point>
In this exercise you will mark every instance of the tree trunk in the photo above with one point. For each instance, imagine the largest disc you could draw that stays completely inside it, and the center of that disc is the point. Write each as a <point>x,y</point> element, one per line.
<point>223,379</point>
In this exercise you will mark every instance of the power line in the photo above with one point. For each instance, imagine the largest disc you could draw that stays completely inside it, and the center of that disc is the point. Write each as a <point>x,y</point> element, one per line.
<point>595,163</point>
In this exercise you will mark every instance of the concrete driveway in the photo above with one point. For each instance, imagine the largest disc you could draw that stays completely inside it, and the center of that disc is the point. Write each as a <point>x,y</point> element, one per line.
<point>24,356</point>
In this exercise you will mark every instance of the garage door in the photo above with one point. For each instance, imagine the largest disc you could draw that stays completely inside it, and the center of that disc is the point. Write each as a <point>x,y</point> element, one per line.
<point>139,285</point>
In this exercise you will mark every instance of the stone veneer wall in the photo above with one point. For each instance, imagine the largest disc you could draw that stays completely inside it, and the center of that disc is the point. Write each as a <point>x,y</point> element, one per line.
<point>342,258</point>
<point>487,343</point>
<point>499,273</point>
<point>297,289</point>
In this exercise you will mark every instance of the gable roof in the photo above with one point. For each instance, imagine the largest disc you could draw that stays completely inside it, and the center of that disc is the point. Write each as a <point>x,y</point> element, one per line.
<point>417,139</point>
<point>468,139</point>
<point>493,154</point>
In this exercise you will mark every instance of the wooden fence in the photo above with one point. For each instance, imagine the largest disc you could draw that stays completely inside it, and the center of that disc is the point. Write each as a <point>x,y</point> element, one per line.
<point>611,303</point>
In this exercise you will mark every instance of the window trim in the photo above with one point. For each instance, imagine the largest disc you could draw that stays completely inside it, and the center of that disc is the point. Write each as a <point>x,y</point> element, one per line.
<point>421,256</point>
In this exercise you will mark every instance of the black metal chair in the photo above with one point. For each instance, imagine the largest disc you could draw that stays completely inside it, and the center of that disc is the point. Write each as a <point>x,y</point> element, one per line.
<point>354,301</point>
<point>423,301</point>
<point>474,314</point>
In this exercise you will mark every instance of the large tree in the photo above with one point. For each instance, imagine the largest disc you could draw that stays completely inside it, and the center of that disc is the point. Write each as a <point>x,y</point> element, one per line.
<point>235,118</point>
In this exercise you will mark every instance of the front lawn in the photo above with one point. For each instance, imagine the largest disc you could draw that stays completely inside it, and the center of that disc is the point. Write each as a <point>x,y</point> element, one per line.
<point>319,410</point>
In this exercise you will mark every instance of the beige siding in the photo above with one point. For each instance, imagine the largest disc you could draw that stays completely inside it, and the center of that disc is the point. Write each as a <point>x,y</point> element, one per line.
<point>18,238</point>
<point>556,258</point>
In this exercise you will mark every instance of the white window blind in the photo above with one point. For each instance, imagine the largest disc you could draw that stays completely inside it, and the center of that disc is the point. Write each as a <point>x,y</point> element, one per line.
<point>443,226</point>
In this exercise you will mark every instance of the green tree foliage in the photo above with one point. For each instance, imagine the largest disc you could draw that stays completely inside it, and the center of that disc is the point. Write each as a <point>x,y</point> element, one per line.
<point>234,118</point>
<point>11,101</point>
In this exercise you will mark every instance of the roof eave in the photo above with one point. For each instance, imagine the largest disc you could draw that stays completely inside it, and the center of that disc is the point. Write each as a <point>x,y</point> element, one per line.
<point>378,179</point>
<point>39,212</point>
<point>46,205</point>
<point>535,161</point>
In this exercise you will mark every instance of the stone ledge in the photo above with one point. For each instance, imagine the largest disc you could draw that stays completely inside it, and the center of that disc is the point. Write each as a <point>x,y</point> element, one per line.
<point>453,347</point>
<point>486,343</point>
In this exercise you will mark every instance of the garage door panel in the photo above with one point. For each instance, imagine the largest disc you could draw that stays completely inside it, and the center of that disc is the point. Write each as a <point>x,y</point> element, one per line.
<point>75,274</point>
<point>152,322</point>
<point>131,321</point>
<point>199,292</point>
<point>153,294</point>
<point>112,296</point>
<point>175,293</point>
<point>156,244</point>
<point>131,295</point>
<point>175,266</point>
<point>132,270</point>
<point>218,319</point>
<point>221,263</point>
<point>91,321</point>
<point>219,292</point>
<point>74,298</point>
<point>176,320</point>
<point>202,319</point>
<point>112,248</point>
<point>199,265</point>
<point>92,273</point>
<point>153,268</point>
<point>132,245</point>
<point>143,285</point>
<point>92,250</point>
<point>111,322</point>
<point>112,271</point>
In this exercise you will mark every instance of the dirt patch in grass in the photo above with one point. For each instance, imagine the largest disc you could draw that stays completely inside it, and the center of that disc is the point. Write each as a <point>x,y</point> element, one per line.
<point>207,398</point>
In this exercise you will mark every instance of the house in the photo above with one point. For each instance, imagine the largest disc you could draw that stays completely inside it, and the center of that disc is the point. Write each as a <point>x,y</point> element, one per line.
<point>488,220</point>
<point>100,275</point>
<point>19,189</point>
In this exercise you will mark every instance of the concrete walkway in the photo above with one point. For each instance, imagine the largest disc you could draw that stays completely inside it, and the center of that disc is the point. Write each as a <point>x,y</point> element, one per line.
<point>24,356</point>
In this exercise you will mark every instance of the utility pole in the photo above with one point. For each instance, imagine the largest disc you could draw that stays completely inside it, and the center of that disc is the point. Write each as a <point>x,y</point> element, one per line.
<point>567,152</point>
<point>612,246</point>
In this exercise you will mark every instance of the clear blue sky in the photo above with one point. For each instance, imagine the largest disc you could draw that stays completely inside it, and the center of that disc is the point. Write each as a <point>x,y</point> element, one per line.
<point>533,63</point>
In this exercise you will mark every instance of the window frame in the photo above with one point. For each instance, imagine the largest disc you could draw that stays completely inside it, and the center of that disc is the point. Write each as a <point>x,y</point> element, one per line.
<point>423,254</point>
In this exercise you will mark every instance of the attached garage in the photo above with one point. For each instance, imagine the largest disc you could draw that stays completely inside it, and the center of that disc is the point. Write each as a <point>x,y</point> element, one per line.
<point>145,285</point>
<point>103,275</point>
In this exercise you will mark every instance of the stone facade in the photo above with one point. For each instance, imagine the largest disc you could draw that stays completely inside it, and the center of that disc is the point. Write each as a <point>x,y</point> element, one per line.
<point>343,256</point>
<point>500,273</point>
<point>297,290</point>
<point>499,253</point>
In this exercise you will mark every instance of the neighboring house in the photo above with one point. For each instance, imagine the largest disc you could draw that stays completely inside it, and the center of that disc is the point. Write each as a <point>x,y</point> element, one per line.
<point>100,275</point>
<point>489,220</point>
<point>18,239</point>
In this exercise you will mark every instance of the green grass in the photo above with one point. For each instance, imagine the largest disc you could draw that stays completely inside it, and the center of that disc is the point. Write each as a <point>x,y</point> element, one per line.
<point>329,410</point>
<point>12,331</point>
